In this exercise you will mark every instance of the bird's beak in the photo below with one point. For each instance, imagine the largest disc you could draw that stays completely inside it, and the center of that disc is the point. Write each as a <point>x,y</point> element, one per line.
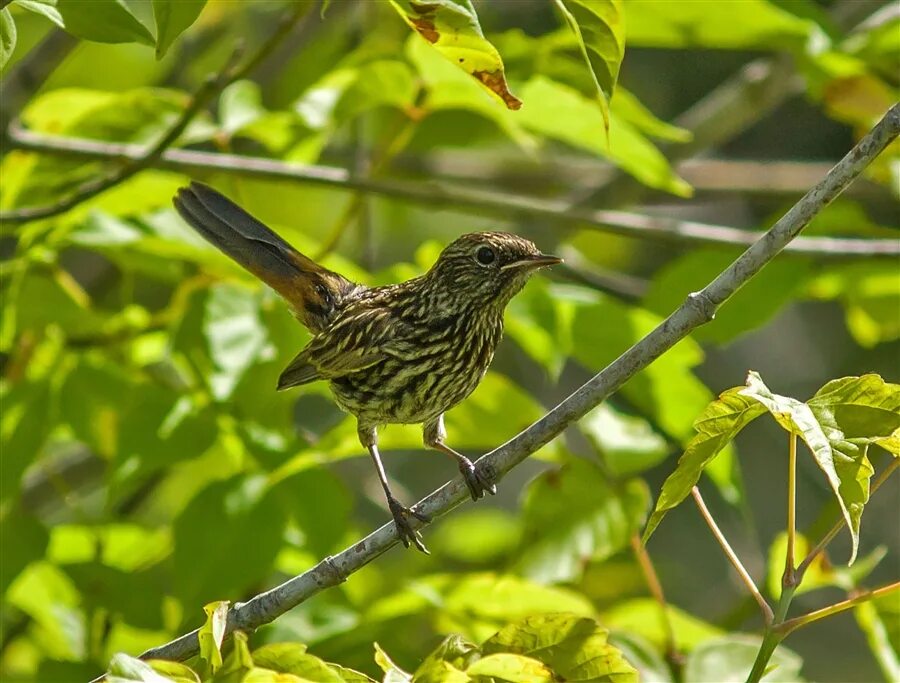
<point>533,262</point>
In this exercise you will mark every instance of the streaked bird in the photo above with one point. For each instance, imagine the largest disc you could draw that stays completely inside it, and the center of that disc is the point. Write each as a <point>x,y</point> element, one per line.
<point>397,354</point>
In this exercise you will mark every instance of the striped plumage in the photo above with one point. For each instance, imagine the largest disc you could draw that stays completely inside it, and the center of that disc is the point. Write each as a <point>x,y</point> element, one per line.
<point>403,353</point>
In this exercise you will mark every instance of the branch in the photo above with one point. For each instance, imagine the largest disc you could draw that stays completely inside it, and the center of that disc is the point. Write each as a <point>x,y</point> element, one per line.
<point>435,194</point>
<point>142,157</point>
<point>698,309</point>
<point>768,616</point>
<point>791,625</point>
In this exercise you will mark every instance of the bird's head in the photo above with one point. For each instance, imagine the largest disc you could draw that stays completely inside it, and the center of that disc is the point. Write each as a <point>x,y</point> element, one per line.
<point>488,268</point>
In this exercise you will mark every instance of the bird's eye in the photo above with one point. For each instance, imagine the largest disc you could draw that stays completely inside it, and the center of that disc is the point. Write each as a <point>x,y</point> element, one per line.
<point>485,256</point>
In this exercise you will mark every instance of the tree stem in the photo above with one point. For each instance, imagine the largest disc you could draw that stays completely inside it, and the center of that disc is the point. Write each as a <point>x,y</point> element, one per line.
<point>788,579</point>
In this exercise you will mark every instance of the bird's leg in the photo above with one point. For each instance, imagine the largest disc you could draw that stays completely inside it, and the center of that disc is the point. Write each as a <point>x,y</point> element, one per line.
<point>434,434</point>
<point>400,513</point>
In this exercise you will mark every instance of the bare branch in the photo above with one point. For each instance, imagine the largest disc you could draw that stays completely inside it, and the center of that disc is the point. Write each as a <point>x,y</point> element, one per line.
<point>698,309</point>
<point>434,194</point>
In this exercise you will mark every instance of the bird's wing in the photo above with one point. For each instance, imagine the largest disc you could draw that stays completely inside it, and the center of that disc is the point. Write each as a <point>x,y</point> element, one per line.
<point>357,340</point>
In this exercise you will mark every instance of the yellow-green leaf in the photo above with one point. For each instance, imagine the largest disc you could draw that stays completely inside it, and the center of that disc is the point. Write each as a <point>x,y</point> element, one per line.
<point>452,27</point>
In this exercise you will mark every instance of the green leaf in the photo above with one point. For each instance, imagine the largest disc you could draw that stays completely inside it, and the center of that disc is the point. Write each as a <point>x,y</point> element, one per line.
<point>447,662</point>
<point>31,542</point>
<point>629,108</point>
<point>573,516</point>
<point>382,83</point>
<point>873,623</point>
<point>641,654</point>
<point>476,536</point>
<point>514,668</point>
<point>448,88</point>
<point>174,671</point>
<point>452,27</point>
<point>392,672</point>
<point>234,334</point>
<point>562,113</point>
<point>837,425</point>
<point>105,21</point>
<point>240,104</point>
<point>642,616</point>
<point>600,33</point>
<point>292,658</point>
<point>729,660</point>
<point>212,633</point>
<point>24,428</point>
<point>49,598</point>
<point>627,443</point>
<point>745,25</point>
<point>870,295</point>
<point>46,8</point>
<point>319,505</point>
<point>210,557</point>
<point>114,590</point>
<point>124,668</point>
<point>575,648</point>
<point>716,428</point>
<point>7,36</point>
<point>172,18</point>
<point>752,306</point>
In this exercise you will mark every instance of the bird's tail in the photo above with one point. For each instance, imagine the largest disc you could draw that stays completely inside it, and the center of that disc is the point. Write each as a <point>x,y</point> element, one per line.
<point>311,290</point>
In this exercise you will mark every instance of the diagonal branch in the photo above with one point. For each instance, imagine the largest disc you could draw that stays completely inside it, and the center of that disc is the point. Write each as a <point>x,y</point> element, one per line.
<point>434,195</point>
<point>698,309</point>
<point>144,157</point>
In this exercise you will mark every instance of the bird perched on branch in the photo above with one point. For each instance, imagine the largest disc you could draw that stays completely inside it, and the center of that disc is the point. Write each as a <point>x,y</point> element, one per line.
<point>398,354</point>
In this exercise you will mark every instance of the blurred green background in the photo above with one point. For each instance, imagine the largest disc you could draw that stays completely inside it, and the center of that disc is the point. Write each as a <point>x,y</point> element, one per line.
<point>149,467</point>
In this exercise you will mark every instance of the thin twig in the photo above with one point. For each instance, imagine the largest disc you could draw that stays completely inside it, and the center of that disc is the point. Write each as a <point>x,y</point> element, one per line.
<point>768,616</point>
<point>789,576</point>
<point>698,309</point>
<point>148,156</point>
<point>839,524</point>
<point>791,625</point>
<point>435,195</point>
<point>656,590</point>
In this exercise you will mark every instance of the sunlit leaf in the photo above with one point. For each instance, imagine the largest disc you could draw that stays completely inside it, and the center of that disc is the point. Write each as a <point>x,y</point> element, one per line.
<point>240,104</point>
<point>477,536</point>
<point>641,654</point>
<point>392,673</point>
<point>874,624</point>
<point>627,443</point>
<point>447,662</point>
<point>514,668</point>
<point>561,113</point>
<point>749,24</point>
<point>716,427</point>
<point>452,27</point>
<point>212,633</point>
<point>574,648</point>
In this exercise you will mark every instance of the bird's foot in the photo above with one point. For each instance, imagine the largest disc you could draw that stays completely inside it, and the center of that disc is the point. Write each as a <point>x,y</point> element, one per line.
<point>407,534</point>
<point>477,481</point>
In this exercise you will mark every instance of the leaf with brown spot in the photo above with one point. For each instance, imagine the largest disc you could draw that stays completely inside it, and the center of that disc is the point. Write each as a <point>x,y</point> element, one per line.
<point>452,27</point>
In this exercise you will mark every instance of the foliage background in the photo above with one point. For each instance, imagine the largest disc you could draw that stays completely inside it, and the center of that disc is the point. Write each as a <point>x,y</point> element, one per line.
<point>148,466</point>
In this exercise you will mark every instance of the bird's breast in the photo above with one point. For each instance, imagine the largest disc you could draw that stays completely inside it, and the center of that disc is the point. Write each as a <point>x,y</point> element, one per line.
<point>438,364</point>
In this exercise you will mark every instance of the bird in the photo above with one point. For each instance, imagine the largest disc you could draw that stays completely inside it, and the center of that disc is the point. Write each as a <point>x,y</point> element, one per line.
<point>396,354</point>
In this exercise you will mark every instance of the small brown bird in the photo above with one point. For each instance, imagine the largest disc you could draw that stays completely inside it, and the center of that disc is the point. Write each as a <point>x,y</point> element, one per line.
<point>398,354</point>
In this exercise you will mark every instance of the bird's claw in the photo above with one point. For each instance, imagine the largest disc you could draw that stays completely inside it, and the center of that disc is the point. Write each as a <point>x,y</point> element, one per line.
<point>407,534</point>
<point>478,483</point>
